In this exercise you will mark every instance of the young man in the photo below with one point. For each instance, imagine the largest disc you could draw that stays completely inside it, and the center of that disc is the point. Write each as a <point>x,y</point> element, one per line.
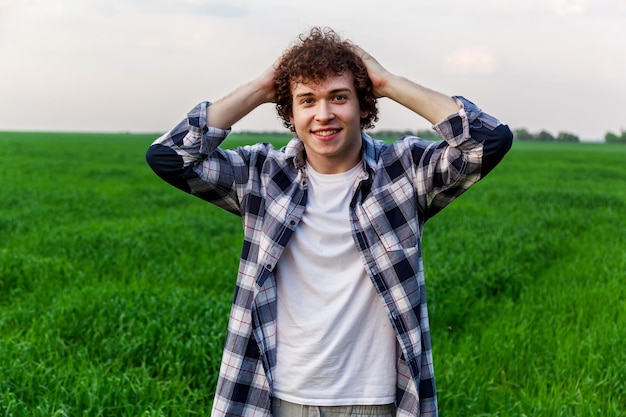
<point>330,312</point>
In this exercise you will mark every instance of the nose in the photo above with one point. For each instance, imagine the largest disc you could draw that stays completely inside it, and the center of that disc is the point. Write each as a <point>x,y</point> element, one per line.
<point>324,111</point>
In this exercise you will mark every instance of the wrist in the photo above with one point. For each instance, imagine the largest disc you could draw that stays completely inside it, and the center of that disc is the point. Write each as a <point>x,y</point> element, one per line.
<point>388,86</point>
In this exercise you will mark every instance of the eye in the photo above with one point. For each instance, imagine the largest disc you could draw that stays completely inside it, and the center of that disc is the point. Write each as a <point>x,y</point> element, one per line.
<point>306,101</point>
<point>341,97</point>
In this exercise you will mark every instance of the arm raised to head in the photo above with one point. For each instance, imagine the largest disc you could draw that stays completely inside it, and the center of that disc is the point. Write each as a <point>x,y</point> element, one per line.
<point>430,104</point>
<point>234,106</point>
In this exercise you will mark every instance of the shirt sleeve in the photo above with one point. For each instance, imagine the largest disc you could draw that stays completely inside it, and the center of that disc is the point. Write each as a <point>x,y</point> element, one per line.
<point>474,143</point>
<point>189,158</point>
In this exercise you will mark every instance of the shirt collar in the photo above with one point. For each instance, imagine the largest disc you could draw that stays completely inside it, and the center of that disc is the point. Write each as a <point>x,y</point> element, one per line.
<point>369,152</point>
<point>295,149</point>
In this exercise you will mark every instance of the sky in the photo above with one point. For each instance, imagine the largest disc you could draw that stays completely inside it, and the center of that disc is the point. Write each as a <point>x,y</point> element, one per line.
<point>140,65</point>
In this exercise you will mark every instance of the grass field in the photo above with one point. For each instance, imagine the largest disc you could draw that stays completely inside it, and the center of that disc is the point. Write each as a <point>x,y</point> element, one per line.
<point>115,287</point>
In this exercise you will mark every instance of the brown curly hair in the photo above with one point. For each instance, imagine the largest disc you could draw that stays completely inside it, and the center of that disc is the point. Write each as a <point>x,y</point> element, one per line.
<point>317,56</point>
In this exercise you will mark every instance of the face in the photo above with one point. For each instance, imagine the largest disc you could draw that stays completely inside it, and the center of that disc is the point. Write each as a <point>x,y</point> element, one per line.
<point>327,118</point>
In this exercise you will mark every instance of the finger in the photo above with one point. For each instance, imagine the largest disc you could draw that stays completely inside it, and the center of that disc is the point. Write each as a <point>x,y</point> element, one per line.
<point>360,52</point>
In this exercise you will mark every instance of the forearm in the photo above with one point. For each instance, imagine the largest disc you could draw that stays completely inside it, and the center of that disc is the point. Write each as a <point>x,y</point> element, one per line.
<point>430,104</point>
<point>228,110</point>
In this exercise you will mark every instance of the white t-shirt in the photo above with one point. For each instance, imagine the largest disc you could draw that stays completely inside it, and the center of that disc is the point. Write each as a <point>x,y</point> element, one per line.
<point>335,343</point>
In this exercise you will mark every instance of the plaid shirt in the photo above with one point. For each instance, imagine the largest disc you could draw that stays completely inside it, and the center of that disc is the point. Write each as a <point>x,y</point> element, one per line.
<point>400,187</point>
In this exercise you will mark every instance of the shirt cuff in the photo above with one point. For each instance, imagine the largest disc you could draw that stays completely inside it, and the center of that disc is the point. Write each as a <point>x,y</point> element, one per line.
<point>472,111</point>
<point>211,137</point>
<point>455,128</point>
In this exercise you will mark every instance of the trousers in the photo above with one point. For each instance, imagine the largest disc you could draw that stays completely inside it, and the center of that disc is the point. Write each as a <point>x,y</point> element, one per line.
<point>282,408</point>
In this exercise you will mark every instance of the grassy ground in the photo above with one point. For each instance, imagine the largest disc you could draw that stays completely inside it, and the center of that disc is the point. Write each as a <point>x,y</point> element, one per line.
<point>526,279</point>
<point>532,286</point>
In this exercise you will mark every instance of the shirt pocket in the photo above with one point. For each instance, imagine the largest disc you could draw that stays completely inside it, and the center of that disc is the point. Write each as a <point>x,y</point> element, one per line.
<point>392,212</point>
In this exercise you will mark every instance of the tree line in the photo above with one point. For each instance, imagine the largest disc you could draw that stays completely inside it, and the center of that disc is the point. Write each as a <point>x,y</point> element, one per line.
<point>521,134</point>
<point>544,136</point>
<point>518,134</point>
<point>427,134</point>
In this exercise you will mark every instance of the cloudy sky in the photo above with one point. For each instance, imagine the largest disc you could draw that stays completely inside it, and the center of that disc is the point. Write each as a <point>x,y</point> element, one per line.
<point>140,65</point>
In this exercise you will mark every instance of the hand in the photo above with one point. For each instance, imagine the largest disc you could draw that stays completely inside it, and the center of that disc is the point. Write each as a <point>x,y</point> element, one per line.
<point>265,83</point>
<point>377,73</point>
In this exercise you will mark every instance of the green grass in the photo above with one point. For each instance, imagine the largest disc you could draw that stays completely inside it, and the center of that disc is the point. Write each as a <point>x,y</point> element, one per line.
<point>115,287</point>
<point>528,275</point>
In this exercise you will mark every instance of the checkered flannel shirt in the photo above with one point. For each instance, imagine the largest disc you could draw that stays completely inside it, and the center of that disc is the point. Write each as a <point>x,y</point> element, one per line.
<point>401,186</point>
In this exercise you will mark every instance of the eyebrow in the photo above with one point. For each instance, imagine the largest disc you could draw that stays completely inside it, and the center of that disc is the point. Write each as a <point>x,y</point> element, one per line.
<point>331,92</point>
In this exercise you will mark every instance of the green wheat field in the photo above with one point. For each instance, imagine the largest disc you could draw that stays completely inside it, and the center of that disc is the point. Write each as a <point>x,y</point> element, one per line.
<point>115,287</point>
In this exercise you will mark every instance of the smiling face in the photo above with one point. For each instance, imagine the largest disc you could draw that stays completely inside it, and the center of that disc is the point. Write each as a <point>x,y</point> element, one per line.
<point>327,118</point>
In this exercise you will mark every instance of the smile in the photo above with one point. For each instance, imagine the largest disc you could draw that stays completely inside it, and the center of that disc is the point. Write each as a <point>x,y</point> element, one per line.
<point>326,132</point>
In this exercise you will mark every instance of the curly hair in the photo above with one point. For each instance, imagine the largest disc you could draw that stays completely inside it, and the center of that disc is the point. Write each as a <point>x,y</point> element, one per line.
<point>317,56</point>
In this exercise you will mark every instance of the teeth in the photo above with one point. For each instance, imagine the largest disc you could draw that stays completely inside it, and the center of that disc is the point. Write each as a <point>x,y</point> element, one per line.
<point>326,132</point>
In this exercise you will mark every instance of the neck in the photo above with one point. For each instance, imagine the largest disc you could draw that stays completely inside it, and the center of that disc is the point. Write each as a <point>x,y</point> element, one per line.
<point>331,166</point>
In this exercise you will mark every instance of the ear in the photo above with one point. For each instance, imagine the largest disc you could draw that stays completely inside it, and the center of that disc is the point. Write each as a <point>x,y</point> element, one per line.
<point>291,119</point>
<point>364,114</point>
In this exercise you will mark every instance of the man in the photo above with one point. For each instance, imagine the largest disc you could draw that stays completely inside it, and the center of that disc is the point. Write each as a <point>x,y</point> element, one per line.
<point>330,312</point>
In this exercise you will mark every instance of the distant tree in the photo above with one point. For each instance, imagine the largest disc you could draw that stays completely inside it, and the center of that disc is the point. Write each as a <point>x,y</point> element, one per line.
<point>523,134</point>
<point>567,137</point>
<point>391,134</point>
<point>611,137</point>
<point>395,134</point>
<point>428,134</point>
<point>545,136</point>
<point>382,134</point>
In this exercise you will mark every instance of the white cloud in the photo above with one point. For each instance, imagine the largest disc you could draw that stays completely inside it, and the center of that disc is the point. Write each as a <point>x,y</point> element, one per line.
<point>570,7</point>
<point>479,60</point>
<point>513,8</point>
